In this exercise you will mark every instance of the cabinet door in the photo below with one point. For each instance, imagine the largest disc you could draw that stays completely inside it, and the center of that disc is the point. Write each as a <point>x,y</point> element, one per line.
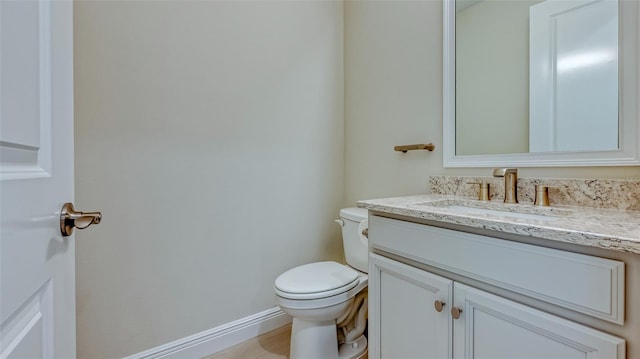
<point>403,319</point>
<point>493,327</point>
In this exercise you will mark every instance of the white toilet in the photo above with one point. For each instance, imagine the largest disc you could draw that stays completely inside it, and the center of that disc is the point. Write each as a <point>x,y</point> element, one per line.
<point>328,300</point>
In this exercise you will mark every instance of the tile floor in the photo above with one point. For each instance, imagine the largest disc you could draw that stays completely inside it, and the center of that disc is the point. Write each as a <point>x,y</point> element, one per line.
<point>271,345</point>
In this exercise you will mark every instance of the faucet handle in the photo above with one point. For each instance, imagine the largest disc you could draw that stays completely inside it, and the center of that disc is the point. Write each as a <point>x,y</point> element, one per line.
<point>542,195</point>
<point>483,193</point>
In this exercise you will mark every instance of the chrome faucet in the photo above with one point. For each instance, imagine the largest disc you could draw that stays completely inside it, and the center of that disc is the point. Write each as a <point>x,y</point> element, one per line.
<point>510,183</point>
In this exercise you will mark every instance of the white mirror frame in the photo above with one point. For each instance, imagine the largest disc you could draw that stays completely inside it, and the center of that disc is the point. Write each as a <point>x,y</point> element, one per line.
<point>629,128</point>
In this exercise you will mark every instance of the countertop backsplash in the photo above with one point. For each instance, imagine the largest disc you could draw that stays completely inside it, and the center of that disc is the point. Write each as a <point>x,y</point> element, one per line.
<point>621,194</point>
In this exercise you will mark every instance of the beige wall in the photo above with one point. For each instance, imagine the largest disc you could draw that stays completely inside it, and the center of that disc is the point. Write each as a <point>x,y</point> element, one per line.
<point>393,79</point>
<point>492,86</point>
<point>210,134</point>
<point>393,95</point>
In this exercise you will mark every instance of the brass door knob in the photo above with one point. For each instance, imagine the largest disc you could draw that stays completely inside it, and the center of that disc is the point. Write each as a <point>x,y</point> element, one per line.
<point>439,304</point>
<point>70,219</point>
<point>455,312</point>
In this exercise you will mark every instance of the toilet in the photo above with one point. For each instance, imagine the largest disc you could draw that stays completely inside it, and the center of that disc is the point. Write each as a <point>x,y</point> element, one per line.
<point>328,300</point>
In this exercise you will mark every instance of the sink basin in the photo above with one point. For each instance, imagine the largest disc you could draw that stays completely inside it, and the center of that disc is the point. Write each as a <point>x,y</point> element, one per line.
<point>498,209</point>
<point>493,212</point>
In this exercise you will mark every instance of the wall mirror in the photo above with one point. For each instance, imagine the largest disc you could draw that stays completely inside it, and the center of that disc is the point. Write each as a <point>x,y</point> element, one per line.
<point>538,83</point>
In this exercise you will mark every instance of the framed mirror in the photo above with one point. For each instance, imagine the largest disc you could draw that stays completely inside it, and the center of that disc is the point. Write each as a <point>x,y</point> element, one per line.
<point>540,83</point>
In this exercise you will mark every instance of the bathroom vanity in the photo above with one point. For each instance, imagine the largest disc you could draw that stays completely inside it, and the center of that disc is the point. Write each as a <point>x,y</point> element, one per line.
<point>451,277</point>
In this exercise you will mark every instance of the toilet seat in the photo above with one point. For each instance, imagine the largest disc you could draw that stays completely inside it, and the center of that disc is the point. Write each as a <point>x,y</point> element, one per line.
<point>316,280</point>
<point>362,282</point>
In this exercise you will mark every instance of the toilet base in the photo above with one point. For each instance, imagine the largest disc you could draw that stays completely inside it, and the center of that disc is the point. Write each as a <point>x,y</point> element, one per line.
<point>353,350</point>
<point>313,340</point>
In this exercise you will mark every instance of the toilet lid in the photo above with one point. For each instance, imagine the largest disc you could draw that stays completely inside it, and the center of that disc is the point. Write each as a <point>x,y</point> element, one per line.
<point>316,280</point>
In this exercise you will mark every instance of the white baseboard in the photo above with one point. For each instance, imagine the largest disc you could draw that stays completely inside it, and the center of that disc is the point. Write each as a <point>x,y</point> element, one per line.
<point>218,338</point>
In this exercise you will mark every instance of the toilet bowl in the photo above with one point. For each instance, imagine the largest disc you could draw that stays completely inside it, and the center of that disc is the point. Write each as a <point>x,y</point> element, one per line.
<point>328,300</point>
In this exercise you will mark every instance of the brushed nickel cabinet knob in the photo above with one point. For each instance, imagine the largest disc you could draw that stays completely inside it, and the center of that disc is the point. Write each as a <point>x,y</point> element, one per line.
<point>455,312</point>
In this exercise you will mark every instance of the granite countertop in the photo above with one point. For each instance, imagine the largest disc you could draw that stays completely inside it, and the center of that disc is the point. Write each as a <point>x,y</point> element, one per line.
<point>612,229</point>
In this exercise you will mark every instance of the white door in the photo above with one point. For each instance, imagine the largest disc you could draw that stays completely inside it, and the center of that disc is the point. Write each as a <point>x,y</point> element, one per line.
<point>37,279</point>
<point>573,91</point>
<point>409,311</point>
<point>491,327</point>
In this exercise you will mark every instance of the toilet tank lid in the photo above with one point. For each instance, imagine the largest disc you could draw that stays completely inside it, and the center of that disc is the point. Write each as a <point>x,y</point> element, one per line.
<point>354,214</point>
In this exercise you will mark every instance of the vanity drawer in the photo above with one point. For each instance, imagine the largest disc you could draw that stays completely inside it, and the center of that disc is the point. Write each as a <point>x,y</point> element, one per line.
<point>585,284</point>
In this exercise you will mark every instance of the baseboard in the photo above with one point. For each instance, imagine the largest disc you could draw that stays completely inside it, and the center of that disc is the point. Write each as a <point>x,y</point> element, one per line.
<point>218,338</point>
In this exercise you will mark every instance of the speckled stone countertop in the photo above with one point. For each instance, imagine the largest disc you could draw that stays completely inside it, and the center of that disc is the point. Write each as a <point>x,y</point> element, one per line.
<point>612,229</point>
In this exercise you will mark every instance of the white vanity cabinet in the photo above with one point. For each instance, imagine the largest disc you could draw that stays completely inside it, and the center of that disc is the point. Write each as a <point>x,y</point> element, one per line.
<point>403,322</point>
<point>411,308</point>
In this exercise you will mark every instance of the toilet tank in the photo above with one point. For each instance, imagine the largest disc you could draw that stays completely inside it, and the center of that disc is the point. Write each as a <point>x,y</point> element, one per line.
<point>356,246</point>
